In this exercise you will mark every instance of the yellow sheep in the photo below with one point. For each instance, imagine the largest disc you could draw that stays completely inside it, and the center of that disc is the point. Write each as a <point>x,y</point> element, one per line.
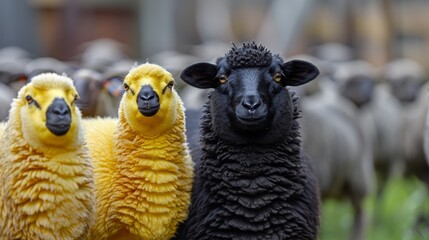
<point>142,168</point>
<point>46,178</point>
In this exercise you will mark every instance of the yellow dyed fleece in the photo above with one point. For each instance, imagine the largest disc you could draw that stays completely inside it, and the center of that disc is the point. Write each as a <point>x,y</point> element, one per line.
<point>143,182</point>
<point>142,185</point>
<point>45,193</point>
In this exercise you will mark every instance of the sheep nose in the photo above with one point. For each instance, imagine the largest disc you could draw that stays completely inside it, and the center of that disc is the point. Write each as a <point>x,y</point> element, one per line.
<point>147,93</point>
<point>59,107</point>
<point>58,117</point>
<point>251,102</point>
<point>148,101</point>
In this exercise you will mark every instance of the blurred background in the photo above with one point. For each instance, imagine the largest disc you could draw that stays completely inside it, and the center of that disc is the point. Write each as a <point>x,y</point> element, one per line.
<point>377,29</point>
<point>363,118</point>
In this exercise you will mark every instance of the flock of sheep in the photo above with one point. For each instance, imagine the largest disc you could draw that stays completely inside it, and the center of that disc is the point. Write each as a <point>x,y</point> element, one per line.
<point>362,126</point>
<point>247,164</point>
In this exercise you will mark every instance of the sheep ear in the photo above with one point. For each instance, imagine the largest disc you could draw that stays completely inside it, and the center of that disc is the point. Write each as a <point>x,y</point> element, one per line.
<point>299,72</point>
<point>200,75</point>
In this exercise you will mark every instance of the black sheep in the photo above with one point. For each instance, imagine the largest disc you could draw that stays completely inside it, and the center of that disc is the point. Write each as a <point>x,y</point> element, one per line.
<point>252,181</point>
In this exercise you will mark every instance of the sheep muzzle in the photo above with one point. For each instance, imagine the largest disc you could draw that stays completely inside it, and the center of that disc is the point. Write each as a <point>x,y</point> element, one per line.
<point>148,101</point>
<point>251,113</point>
<point>58,117</point>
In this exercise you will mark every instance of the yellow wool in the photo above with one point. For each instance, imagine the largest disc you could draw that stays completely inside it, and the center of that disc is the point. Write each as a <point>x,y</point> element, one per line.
<point>2,128</point>
<point>46,181</point>
<point>143,175</point>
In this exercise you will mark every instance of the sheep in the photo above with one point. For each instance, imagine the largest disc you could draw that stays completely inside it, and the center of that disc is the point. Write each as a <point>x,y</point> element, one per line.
<point>385,112</point>
<point>378,111</point>
<point>112,90</point>
<point>101,92</point>
<point>252,181</point>
<point>382,112</point>
<point>334,140</point>
<point>142,168</point>
<point>46,179</point>
<point>88,84</point>
<point>406,84</point>
<point>374,115</point>
<point>405,77</point>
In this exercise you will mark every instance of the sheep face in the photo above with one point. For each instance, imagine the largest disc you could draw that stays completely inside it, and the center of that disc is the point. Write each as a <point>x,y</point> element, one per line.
<point>49,116</point>
<point>150,101</point>
<point>359,89</point>
<point>356,81</point>
<point>250,97</point>
<point>406,89</point>
<point>88,84</point>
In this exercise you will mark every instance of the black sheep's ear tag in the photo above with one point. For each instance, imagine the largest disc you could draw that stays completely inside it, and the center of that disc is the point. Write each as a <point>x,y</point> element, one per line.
<point>200,75</point>
<point>299,72</point>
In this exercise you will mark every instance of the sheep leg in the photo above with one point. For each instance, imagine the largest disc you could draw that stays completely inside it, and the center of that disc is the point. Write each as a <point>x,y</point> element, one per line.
<point>382,177</point>
<point>382,182</point>
<point>358,230</point>
<point>421,224</point>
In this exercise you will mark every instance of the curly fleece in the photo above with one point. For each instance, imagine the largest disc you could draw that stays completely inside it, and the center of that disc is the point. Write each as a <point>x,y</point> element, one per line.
<point>143,185</point>
<point>252,191</point>
<point>44,194</point>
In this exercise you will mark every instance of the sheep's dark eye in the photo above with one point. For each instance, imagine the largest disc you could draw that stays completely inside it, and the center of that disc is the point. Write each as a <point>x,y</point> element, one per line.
<point>277,77</point>
<point>223,79</point>
<point>29,99</point>
<point>126,87</point>
<point>170,84</point>
<point>76,97</point>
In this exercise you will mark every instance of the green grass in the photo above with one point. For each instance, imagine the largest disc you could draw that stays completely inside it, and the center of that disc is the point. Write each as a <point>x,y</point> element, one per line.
<point>403,201</point>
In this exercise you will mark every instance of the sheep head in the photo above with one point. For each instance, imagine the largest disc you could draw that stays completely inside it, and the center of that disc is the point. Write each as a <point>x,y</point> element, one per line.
<point>356,81</point>
<point>250,95</point>
<point>405,77</point>
<point>88,84</point>
<point>150,101</point>
<point>48,113</point>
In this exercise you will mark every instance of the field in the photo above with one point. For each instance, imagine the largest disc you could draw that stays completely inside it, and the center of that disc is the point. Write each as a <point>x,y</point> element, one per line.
<point>403,202</point>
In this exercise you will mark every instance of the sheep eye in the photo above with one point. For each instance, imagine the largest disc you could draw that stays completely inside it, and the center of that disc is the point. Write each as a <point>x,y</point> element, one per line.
<point>76,97</point>
<point>278,77</point>
<point>170,84</point>
<point>223,79</point>
<point>126,87</point>
<point>29,99</point>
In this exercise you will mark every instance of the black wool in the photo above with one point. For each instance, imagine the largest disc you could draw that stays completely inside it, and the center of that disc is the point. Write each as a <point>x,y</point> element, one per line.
<point>252,191</point>
<point>252,180</point>
<point>249,55</point>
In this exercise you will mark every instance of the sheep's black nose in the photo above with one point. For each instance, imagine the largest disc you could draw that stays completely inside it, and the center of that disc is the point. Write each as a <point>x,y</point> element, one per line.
<point>60,108</point>
<point>148,101</point>
<point>251,102</point>
<point>146,93</point>
<point>58,117</point>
